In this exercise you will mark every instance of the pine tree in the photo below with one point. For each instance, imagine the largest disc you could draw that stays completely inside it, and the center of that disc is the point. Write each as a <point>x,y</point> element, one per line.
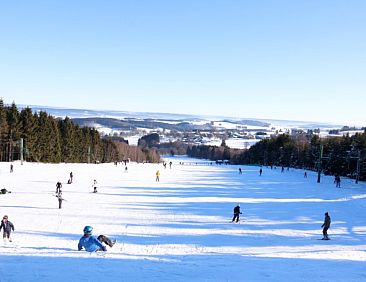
<point>28,126</point>
<point>3,132</point>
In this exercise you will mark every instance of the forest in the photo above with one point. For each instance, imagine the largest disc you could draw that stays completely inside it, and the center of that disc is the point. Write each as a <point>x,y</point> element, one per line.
<point>344,156</point>
<point>40,137</point>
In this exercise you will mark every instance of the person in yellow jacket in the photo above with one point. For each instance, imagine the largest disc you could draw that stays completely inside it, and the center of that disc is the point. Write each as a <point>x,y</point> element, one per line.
<point>157,176</point>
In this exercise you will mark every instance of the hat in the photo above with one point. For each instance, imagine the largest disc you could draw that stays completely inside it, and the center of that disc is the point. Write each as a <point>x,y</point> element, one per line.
<point>5,217</point>
<point>326,213</point>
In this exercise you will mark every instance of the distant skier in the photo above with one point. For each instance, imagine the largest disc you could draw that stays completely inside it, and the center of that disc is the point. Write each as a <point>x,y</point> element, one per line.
<point>126,169</point>
<point>170,165</point>
<point>4,191</point>
<point>260,172</point>
<point>8,226</point>
<point>337,181</point>
<point>60,199</point>
<point>93,244</point>
<point>240,172</point>
<point>237,213</point>
<point>71,177</point>
<point>58,187</point>
<point>11,168</point>
<point>282,169</point>
<point>305,175</point>
<point>326,226</point>
<point>95,186</point>
<point>157,176</point>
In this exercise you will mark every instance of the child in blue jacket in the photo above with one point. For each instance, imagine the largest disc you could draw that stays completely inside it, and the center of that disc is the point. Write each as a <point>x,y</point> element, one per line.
<point>93,244</point>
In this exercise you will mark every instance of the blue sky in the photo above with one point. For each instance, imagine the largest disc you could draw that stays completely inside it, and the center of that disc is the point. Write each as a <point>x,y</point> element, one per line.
<point>297,60</point>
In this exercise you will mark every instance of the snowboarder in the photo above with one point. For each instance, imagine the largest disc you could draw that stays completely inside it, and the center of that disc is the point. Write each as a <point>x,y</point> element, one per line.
<point>260,172</point>
<point>157,176</point>
<point>11,168</point>
<point>326,226</point>
<point>8,226</point>
<point>71,176</point>
<point>95,186</point>
<point>58,187</point>
<point>240,172</point>
<point>236,213</point>
<point>93,244</point>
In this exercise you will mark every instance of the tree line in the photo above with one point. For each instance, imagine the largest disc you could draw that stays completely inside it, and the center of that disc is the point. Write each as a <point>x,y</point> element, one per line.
<point>49,139</point>
<point>344,156</point>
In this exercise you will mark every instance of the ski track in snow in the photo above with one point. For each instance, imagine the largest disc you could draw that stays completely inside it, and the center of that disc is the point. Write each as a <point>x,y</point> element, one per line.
<point>180,228</point>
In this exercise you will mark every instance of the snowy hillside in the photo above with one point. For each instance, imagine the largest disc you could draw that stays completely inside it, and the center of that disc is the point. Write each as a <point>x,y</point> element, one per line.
<point>179,229</point>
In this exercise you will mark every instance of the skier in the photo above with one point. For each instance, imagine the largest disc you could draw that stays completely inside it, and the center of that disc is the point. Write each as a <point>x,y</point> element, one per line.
<point>305,175</point>
<point>236,213</point>
<point>260,172</point>
<point>95,186</point>
<point>11,168</point>
<point>4,191</point>
<point>58,187</point>
<point>71,176</point>
<point>282,169</point>
<point>126,169</point>
<point>157,176</point>
<point>326,226</point>
<point>8,226</point>
<point>170,164</point>
<point>240,172</point>
<point>60,199</point>
<point>337,181</point>
<point>93,244</point>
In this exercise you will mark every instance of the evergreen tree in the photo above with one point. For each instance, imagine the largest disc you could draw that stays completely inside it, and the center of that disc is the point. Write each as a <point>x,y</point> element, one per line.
<point>3,132</point>
<point>28,125</point>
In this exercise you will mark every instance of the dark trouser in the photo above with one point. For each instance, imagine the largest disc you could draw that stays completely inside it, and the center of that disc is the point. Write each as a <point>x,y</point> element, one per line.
<point>105,240</point>
<point>325,234</point>
<point>59,203</point>
<point>236,217</point>
<point>6,234</point>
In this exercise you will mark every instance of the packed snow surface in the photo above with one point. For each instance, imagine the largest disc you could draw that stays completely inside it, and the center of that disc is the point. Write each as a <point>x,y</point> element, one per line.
<point>179,229</point>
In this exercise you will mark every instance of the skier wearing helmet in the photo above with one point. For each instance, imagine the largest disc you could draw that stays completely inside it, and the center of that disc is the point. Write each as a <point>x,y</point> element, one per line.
<point>93,244</point>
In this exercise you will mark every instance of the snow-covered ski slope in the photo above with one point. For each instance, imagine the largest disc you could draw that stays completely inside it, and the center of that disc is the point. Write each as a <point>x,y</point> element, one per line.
<point>180,229</point>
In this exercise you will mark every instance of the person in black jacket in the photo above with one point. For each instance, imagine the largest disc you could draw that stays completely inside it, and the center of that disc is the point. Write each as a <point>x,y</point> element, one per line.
<point>236,213</point>
<point>58,187</point>
<point>8,226</point>
<point>326,226</point>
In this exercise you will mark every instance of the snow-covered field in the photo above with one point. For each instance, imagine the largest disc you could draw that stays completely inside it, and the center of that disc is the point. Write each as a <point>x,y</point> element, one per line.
<point>179,229</point>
